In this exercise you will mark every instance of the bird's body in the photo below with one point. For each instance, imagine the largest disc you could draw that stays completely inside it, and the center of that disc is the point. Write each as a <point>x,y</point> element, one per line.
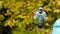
<point>40,17</point>
<point>56,27</point>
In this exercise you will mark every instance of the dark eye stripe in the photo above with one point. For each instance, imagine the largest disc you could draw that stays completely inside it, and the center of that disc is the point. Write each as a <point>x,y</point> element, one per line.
<point>56,26</point>
<point>41,10</point>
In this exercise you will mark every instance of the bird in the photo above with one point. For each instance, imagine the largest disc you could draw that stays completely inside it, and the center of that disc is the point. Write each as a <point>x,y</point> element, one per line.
<point>40,17</point>
<point>56,27</point>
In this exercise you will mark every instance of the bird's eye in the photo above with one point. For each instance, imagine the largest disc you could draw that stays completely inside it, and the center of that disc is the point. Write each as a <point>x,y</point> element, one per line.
<point>41,10</point>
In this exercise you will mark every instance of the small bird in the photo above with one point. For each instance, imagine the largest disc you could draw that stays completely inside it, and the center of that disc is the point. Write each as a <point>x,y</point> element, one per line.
<point>40,17</point>
<point>56,27</point>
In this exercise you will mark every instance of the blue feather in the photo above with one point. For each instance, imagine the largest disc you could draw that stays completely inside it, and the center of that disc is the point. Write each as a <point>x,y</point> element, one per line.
<point>56,27</point>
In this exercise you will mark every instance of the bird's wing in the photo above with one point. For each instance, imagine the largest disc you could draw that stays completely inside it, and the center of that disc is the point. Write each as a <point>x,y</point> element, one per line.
<point>45,16</point>
<point>36,16</point>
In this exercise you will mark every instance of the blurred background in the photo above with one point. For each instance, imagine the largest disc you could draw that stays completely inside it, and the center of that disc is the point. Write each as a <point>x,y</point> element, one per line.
<point>16,16</point>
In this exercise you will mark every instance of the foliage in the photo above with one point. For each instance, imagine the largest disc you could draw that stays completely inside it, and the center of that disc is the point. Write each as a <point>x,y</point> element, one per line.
<point>19,15</point>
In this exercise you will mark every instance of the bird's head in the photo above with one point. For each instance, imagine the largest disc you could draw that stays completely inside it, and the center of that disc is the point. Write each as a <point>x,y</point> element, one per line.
<point>40,10</point>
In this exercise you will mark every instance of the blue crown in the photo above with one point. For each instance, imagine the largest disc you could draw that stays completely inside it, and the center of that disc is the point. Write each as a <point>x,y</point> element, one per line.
<point>40,9</point>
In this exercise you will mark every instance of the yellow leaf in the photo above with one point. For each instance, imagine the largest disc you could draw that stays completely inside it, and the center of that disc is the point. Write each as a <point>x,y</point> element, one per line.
<point>47,9</point>
<point>56,10</point>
